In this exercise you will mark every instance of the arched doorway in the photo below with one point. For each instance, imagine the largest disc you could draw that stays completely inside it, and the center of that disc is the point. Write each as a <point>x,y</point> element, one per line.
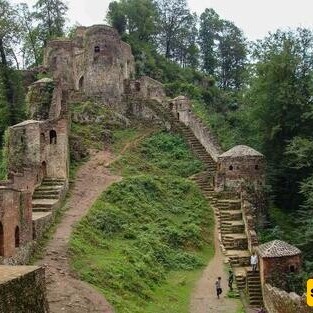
<point>17,237</point>
<point>53,137</point>
<point>81,83</point>
<point>44,169</point>
<point>1,240</point>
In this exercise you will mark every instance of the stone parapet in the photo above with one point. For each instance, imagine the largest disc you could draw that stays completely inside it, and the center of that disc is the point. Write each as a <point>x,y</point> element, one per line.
<point>280,301</point>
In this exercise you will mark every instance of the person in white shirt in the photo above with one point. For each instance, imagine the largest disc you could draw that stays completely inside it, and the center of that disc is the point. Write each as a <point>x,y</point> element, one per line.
<point>254,261</point>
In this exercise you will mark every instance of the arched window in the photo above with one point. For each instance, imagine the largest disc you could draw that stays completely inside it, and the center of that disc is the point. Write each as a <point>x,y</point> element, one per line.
<point>137,86</point>
<point>231,167</point>
<point>292,268</point>
<point>53,137</point>
<point>81,83</point>
<point>42,137</point>
<point>44,169</point>
<point>17,237</point>
<point>97,49</point>
<point>1,240</point>
<point>256,166</point>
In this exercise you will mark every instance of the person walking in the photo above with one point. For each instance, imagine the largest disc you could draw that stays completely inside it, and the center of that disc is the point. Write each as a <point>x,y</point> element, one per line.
<point>230,280</point>
<point>218,287</point>
<point>254,261</point>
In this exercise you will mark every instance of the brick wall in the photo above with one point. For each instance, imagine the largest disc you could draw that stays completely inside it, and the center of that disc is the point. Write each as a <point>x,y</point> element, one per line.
<point>16,221</point>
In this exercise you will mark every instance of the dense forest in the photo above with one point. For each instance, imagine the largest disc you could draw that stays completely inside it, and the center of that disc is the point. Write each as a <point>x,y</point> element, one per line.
<point>255,93</point>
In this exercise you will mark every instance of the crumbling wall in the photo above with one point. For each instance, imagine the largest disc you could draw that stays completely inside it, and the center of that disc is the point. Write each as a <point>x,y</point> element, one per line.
<point>16,224</point>
<point>145,88</point>
<point>248,216</point>
<point>279,301</point>
<point>23,289</point>
<point>181,108</point>
<point>96,62</point>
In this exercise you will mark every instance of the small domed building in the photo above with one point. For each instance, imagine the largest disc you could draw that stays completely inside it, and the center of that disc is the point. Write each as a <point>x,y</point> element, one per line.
<point>240,163</point>
<point>278,257</point>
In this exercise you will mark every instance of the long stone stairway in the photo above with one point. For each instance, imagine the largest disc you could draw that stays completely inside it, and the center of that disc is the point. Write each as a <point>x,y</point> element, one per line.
<point>227,207</point>
<point>46,198</point>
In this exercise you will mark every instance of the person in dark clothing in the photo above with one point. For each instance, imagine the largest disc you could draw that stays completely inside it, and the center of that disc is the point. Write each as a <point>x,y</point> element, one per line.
<point>230,280</point>
<point>218,287</point>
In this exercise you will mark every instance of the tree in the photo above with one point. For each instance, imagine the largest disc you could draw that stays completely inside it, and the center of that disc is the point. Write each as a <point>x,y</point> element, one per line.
<point>173,15</point>
<point>280,95</point>
<point>185,48</point>
<point>232,56</point>
<point>210,27</point>
<point>137,18</point>
<point>51,17</point>
<point>11,101</point>
<point>116,17</point>
<point>32,45</point>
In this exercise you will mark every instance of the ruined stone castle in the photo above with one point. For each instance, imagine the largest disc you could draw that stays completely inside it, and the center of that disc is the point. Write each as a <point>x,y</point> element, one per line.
<point>96,64</point>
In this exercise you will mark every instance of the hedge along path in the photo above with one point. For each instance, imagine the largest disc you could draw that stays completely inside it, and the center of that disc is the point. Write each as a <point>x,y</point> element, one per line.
<point>204,298</point>
<point>65,292</point>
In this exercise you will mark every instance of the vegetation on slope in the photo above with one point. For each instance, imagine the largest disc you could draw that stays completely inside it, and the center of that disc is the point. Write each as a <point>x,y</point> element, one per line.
<point>146,238</point>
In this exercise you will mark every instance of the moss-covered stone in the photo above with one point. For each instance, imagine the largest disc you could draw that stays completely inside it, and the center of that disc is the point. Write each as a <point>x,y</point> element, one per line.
<point>39,99</point>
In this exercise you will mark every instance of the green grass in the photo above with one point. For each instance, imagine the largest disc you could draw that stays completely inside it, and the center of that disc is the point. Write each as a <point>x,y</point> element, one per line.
<point>161,154</point>
<point>146,239</point>
<point>240,309</point>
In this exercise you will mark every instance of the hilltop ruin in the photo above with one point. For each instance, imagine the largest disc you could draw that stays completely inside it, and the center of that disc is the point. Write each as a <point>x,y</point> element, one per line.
<point>96,64</point>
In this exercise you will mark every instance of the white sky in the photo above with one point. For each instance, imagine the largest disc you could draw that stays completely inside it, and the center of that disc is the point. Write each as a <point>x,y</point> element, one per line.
<point>255,17</point>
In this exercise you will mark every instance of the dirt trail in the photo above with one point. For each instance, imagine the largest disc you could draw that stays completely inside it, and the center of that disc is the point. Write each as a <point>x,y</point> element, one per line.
<point>204,299</point>
<point>65,293</point>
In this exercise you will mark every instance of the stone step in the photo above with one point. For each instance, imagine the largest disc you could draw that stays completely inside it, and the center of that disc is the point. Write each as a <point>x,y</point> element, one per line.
<point>47,192</point>
<point>38,196</point>
<point>233,215</point>
<point>44,203</point>
<point>40,209</point>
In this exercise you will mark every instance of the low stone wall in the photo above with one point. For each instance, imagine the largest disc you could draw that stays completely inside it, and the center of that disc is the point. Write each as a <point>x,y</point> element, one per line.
<point>279,301</point>
<point>249,221</point>
<point>23,289</point>
<point>41,222</point>
<point>145,88</point>
<point>181,107</point>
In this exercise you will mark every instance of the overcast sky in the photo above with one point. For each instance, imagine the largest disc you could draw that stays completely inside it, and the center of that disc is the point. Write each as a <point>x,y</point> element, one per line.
<point>255,17</point>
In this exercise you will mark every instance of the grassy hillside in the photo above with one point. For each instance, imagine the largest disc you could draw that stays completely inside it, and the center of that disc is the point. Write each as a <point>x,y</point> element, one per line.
<point>146,238</point>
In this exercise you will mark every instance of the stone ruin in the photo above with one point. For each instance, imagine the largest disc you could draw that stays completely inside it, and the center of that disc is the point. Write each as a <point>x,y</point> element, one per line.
<point>96,64</point>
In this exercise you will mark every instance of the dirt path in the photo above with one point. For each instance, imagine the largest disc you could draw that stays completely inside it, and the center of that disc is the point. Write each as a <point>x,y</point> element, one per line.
<point>204,299</point>
<point>65,293</point>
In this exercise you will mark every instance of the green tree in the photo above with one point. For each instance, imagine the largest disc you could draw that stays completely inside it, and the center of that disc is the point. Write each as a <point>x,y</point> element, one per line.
<point>173,15</point>
<point>210,27</point>
<point>116,16</point>
<point>281,101</point>
<point>11,97</point>
<point>137,18</point>
<point>51,17</point>
<point>232,56</point>
<point>185,48</point>
<point>31,42</point>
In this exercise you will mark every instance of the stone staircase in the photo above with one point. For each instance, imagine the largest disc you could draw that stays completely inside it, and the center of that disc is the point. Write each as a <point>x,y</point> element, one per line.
<point>48,194</point>
<point>227,207</point>
<point>254,290</point>
<point>164,113</point>
<point>46,198</point>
